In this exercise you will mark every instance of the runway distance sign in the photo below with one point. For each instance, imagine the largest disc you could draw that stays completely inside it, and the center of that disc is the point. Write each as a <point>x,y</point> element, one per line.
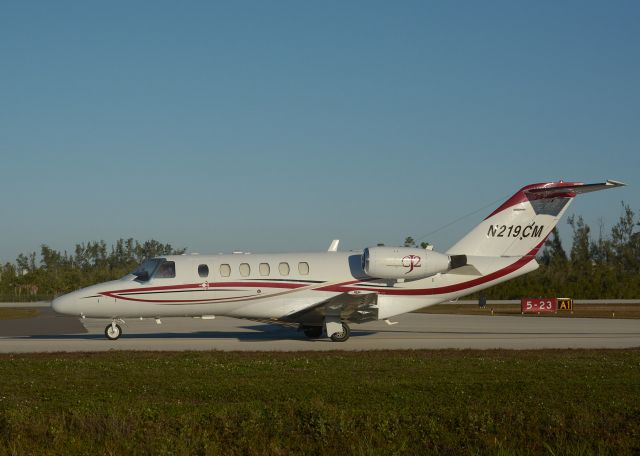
<point>539,305</point>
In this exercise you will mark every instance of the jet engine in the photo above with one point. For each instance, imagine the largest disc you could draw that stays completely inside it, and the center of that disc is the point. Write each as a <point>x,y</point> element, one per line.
<point>407,263</point>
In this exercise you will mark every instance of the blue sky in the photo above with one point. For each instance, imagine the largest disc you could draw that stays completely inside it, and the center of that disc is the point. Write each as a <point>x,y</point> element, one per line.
<point>270,126</point>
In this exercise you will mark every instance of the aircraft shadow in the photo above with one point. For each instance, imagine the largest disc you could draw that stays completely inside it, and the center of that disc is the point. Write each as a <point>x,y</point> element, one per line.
<point>502,333</point>
<point>253,334</point>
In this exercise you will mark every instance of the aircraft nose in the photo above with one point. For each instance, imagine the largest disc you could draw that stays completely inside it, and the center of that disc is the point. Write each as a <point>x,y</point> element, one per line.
<point>63,305</point>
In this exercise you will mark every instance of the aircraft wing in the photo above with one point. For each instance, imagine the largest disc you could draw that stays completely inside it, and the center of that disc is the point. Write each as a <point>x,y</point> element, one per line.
<point>356,308</point>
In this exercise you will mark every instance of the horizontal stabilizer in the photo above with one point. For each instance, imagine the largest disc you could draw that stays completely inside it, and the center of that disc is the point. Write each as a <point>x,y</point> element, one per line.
<point>573,189</point>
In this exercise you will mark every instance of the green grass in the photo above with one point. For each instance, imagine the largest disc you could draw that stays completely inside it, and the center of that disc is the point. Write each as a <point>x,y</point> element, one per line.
<point>404,402</point>
<point>10,313</point>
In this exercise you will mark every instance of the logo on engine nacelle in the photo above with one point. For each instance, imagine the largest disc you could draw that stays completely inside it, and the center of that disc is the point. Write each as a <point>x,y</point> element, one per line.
<point>411,262</point>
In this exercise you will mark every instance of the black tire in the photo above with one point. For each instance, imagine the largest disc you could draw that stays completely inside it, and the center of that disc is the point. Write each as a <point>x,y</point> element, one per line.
<point>343,335</point>
<point>111,334</point>
<point>313,332</point>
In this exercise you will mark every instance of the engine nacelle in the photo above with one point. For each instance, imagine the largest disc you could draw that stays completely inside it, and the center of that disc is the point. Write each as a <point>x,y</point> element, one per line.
<point>407,263</point>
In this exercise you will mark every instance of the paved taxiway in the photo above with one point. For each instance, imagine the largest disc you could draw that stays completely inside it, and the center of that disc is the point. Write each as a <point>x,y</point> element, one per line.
<point>50,333</point>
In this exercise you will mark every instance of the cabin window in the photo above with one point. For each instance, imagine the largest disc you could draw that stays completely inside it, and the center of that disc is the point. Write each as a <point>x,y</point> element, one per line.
<point>245,269</point>
<point>303,268</point>
<point>283,268</point>
<point>225,270</point>
<point>166,270</point>
<point>203,270</point>
<point>265,270</point>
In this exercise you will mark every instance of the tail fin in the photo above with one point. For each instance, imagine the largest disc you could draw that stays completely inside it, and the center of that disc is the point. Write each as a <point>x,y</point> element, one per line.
<point>522,223</point>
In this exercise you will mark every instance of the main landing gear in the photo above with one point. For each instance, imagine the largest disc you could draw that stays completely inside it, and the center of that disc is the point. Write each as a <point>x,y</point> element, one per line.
<point>342,335</point>
<point>337,330</point>
<point>113,331</point>
<point>313,332</point>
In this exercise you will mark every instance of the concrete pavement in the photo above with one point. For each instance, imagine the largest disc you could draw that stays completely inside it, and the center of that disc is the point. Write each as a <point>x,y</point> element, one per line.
<point>49,333</point>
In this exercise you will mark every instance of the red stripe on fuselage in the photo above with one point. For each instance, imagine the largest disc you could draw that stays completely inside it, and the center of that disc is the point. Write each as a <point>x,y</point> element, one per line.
<point>195,301</point>
<point>117,294</point>
<point>448,288</point>
<point>440,290</point>
<point>199,286</point>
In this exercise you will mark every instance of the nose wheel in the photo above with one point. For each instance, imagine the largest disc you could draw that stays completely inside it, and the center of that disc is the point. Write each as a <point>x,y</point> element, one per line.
<point>113,331</point>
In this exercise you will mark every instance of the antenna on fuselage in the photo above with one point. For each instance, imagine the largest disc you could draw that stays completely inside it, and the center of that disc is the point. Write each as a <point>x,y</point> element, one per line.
<point>334,245</point>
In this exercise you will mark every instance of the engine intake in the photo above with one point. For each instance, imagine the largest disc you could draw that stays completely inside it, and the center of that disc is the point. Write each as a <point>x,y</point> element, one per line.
<point>407,263</point>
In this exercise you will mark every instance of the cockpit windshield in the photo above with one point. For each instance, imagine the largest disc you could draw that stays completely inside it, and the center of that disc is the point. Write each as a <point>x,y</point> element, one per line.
<point>145,271</point>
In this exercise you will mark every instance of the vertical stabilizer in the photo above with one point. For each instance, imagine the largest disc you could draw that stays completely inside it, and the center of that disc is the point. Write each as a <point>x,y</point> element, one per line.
<point>520,225</point>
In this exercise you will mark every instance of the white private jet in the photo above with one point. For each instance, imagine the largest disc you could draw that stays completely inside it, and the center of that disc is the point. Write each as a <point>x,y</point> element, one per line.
<point>325,291</point>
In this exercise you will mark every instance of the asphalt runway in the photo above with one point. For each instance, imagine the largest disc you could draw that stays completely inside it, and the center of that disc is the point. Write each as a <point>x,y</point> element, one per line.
<point>51,333</point>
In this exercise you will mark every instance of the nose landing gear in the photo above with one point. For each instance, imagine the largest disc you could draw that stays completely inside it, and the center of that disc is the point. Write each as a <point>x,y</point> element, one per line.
<point>113,331</point>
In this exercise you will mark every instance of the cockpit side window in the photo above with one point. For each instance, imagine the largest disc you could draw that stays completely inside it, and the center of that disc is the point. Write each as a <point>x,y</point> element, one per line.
<point>167,270</point>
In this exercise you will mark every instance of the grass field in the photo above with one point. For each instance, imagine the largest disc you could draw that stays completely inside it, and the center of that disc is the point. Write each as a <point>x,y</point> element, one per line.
<point>579,310</point>
<point>411,402</point>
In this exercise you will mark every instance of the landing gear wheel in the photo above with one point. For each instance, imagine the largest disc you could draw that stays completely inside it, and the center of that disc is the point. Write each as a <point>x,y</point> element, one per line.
<point>342,335</point>
<point>112,332</point>
<point>313,332</point>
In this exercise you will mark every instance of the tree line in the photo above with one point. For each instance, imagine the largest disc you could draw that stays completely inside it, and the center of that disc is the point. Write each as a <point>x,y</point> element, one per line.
<point>606,266</point>
<point>54,273</point>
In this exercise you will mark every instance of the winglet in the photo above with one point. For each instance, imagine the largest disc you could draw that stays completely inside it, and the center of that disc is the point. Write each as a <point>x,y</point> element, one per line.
<point>334,245</point>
